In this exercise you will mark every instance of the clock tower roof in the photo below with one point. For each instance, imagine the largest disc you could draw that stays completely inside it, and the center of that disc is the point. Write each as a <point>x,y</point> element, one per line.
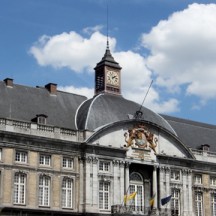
<point>108,60</point>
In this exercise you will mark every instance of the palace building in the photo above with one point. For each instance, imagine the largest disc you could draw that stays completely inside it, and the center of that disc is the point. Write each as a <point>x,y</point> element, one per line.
<point>64,154</point>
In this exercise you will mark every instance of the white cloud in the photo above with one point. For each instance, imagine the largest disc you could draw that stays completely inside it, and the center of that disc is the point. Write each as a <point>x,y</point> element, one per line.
<point>80,54</point>
<point>71,50</point>
<point>90,30</point>
<point>88,92</point>
<point>183,51</point>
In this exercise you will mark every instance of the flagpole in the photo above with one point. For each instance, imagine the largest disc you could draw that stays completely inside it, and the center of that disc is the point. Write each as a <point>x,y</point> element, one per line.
<point>125,194</point>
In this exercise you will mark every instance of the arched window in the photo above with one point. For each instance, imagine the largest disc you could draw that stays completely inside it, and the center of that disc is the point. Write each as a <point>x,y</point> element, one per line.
<point>44,190</point>
<point>67,193</point>
<point>19,188</point>
<point>136,177</point>
<point>136,186</point>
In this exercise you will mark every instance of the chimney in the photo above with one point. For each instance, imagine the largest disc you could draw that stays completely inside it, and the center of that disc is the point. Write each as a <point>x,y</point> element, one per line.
<point>9,82</point>
<point>52,88</point>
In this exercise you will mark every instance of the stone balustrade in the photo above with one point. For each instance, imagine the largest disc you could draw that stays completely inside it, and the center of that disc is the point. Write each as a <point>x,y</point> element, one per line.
<point>32,128</point>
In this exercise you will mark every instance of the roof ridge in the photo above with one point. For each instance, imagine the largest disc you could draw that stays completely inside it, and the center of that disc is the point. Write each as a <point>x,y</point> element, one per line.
<point>189,121</point>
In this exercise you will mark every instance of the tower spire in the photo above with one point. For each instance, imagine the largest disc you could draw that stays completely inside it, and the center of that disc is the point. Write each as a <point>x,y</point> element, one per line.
<point>107,26</point>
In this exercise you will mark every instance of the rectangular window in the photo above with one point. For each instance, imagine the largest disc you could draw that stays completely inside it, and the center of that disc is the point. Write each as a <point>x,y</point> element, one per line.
<point>45,160</point>
<point>213,203</point>
<point>19,188</point>
<point>213,180</point>
<point>67,163</point>
<point>198,179</point>
<point>67,192</point>
<point>104,190</point>
<point>21,157</point>
<point>175,175</point>
<point>44,190</point>
<point>175,202</point>
<point>41,120</point>
<point>199,203</point>
<point>104,166</point>
<point>136,203</point>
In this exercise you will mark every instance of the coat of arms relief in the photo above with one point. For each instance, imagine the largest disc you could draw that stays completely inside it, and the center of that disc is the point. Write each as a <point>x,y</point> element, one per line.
<point>140,137</point>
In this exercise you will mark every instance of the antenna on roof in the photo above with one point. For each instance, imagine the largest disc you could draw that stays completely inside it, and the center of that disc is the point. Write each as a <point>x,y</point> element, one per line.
<point>107,26</point>
<point>139,113</point>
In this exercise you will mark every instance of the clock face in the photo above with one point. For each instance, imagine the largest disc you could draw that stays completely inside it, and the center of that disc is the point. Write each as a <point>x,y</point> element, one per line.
<point>112,78</point>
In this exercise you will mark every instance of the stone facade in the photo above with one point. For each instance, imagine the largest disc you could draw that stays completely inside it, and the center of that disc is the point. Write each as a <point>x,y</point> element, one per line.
<point>97,157</point>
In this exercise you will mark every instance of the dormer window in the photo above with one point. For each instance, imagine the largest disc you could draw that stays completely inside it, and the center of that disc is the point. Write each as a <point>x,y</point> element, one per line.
<point>40,119</point>
<point>205,147</point>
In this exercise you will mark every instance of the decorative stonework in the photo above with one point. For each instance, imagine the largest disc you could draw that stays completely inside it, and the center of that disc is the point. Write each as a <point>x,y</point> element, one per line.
<point>116,163</point>
<point>94,160</point>
<point>167,169</point>
<point>162,169</point>
<point>122,164</point>
<point>88,159</point>
<point>141,137</point>
<point>127,165</point>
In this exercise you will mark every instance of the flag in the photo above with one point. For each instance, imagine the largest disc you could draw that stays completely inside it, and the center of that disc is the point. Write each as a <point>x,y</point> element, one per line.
<point>151,202</point>
<point>129,197</point>
<point>165,200</point>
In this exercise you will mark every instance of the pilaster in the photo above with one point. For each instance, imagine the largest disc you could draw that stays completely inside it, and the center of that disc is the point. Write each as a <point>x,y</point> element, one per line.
<point>116,183</point>
<point>122,180</point>
<point>162,184</point>
<point>184,208</point>
<point>95,181</point>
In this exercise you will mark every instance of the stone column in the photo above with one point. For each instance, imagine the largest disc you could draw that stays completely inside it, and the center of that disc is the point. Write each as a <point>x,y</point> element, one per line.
<point>116,188</point>
<point>81,187</point>
<point>155,187</point>
<point>168,190</point>
<point>162,185</point>
<point>190,207</point>
<point>88,183</point>
<point>122,180</point>
<point>127,176</point>
<point>184,208</point>
<point>95,182</point>
<point>147,194</point>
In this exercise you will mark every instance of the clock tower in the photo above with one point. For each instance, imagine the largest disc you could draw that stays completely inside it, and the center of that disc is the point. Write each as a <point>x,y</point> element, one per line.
<point>108,75</point>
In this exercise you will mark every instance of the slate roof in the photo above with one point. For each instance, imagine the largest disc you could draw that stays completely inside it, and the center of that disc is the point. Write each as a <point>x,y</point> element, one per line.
<point>108,60</point>
<point>192,133</point>
<point>24,103</point>
<point>107,108</point>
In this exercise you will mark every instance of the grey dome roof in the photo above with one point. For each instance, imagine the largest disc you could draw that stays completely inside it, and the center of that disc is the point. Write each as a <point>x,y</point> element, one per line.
<point>107,108</point>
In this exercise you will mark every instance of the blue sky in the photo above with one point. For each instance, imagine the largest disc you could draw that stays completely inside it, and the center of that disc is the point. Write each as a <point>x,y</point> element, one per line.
<point>172,42</point>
